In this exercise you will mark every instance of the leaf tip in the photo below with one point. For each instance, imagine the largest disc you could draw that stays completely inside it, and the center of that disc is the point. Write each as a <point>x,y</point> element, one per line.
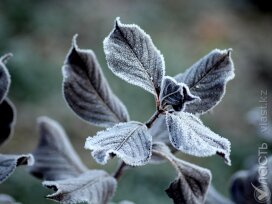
<point>74,41</point>
<point>226,157</point>
<point>117,22</point>
<point>27,159</point>
<point>5,58</point>
<point>229,51</point>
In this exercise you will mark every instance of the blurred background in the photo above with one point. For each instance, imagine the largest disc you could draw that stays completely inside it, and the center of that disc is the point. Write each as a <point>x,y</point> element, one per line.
<point>39,35</point>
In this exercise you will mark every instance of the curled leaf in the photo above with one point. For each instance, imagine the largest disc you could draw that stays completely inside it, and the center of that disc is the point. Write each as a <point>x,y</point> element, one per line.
<point>207,79</point>
<point>175,94</point>
<point>189,135</point>
<point>192,183</point>
<point>94,186</point>
<point>8,164</point>
<point>4,77</point>
<point>130,141</point>
<point>55,157</point>
<point>87,91</point>
<point>7,120</point>
<point>133,57</point>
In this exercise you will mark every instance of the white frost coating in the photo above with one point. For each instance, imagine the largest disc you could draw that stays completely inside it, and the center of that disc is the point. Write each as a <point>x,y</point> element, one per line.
<point>55,156</point>
<point>133,57</point>
<point>188,134</point>
<point>87,91</point>
<point>93,187</point>
<point>8,164</point>
<point>207,79</point>
<point>130,141</point>
<point>4,76</point>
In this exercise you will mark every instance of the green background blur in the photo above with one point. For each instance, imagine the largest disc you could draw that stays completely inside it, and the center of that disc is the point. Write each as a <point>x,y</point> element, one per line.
<point>39,35</point>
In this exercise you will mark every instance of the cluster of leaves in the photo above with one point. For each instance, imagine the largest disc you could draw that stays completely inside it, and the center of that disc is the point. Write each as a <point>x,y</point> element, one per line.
<point>180,100</point>
<point>132,56</point>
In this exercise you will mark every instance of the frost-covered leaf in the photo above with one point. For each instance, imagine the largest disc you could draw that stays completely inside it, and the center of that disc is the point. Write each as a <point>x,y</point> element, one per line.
<point>253,185</point>
<point>4,77</point>
<point>93,187</point>
<point>192,183</point>
<point>130,141</point>
<point>189,135</point>
<point>207,79</point>
<point>213,197</point>
<point>175,94</point>
<point>55,157</point>
<point>87,91</point>
<point>8,164</point>
<point>6,199</point>
<point>132,56</point>
<point>7,120</point>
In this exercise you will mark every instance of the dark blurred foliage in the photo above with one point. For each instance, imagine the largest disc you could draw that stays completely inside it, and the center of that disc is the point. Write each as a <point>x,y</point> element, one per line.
<point>39,35</point>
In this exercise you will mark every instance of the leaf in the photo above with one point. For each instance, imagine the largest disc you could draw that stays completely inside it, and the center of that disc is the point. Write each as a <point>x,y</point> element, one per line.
<point>189,135</point>
<point>4,76</point>
<point>191,185</point>
<point>248,185</point>
<point>133,57</point>
<point>55,157</point>
<point>175,94</point>
<point>130,141</point>
<point>207,79</point>
<point>94,187</point>
<point>8,164</point>
<point>87,91</point>
<point>7,120</point>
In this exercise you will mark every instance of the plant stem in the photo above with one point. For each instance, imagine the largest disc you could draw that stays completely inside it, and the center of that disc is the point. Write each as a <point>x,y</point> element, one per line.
<point>119,172</point>
<point>150,122</point>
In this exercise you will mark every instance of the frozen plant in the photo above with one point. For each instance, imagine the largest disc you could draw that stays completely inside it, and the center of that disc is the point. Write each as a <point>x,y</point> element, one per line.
<point>175,126</point>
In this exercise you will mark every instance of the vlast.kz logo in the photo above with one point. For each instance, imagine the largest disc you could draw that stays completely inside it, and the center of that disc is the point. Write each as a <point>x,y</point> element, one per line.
<point>261,194</point>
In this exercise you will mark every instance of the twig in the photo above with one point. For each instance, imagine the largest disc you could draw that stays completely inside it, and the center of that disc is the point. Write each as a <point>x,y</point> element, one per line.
<point>150,122</point>
<point>119,172</point>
